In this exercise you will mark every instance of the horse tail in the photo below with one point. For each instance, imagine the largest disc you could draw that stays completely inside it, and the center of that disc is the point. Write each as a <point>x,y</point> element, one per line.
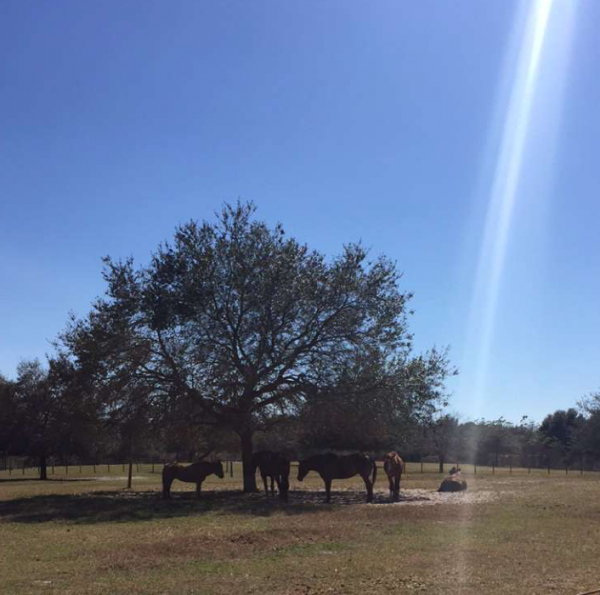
<point>374,471</point>
<point>255,462</point>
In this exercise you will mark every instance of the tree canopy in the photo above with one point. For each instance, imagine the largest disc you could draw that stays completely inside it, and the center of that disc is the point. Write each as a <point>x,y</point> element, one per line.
<point>561,430</point>
<point>235,325</point>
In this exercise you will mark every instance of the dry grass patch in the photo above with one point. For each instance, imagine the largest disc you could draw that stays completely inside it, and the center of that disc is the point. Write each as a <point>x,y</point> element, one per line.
<point>219,546</point>
<point>505,535</point>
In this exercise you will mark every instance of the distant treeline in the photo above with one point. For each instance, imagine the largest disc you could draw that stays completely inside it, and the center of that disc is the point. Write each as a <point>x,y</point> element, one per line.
<point>236,337</point>
<point>40,428</point>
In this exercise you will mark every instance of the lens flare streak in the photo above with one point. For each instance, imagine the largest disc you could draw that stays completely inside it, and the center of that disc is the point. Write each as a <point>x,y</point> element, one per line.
<point>504,189</point>
<point>540,26</point>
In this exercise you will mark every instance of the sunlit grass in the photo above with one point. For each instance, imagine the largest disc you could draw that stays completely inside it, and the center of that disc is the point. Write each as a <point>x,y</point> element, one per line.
<point>537,534</point>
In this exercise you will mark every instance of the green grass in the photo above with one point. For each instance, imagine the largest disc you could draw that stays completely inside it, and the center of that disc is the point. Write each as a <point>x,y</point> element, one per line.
<point>85,534</point>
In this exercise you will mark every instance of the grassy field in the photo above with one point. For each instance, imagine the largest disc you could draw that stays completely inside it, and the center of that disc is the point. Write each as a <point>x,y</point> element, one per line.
<point>83,533</point>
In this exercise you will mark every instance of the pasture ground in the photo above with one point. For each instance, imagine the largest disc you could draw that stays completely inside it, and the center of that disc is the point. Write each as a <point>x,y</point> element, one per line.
<point>84,534</point>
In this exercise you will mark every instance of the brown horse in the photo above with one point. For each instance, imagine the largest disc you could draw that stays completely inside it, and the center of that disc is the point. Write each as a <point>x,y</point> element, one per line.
<point>331,466</point>
<point>275,466</point>
<point>393,466</point>
<point>194,473</point>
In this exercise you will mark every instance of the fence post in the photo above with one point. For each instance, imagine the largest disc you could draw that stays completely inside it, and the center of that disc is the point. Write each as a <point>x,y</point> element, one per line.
<point>230,468</point>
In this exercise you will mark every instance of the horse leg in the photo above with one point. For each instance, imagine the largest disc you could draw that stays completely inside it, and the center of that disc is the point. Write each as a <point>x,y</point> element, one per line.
<point>283,487</point>
<point>397,488</point>
<point>198,488</point>
<point>264,478</point>
<point>327,481</point>
<point>278,482</point>
<point>391,481</point>
<point>273,485</point>
<point>167,488</point>
<point>369,487</point>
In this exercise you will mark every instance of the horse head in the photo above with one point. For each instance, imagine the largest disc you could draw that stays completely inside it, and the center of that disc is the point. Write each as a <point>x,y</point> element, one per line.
<point>303,470</point>
<point>218,466</point>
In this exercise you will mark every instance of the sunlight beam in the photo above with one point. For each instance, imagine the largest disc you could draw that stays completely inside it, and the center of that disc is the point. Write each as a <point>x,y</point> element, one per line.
<point>509,163</point>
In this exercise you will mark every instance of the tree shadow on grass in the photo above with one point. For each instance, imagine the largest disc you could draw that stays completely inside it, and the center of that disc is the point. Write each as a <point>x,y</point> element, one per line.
<point>351,497</point>
<point>42,481</point>
<point>127,506</point>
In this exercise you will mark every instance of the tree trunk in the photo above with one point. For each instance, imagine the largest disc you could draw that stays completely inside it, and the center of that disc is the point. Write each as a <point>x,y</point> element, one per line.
<point>43,467</point>
<point>441,463</point>
<point>248,469</point>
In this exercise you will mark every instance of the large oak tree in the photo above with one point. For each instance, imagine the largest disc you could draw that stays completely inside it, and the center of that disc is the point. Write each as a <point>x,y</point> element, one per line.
<point>235,325</point>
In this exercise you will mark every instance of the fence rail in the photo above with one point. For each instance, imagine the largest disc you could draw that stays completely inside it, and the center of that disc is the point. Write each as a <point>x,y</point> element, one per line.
<point>412,468</point>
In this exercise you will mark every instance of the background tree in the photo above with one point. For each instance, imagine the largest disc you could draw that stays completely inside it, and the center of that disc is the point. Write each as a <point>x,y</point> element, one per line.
<point>442,433</point>
<point>8,416</point>
<point>37,413</point>
<point>240,326</point>
<point>52,416</point>
<point>496,441</point>
<point>375,407</point>
<point>590,432</point>
<point>527,442</point>
<point>561,430</point>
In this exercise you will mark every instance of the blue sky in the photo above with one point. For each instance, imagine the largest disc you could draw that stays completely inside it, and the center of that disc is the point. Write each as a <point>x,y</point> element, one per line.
<point>345,120</point>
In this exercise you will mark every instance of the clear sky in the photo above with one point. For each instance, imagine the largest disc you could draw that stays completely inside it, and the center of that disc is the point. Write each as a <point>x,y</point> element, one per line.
<point>459,138</point>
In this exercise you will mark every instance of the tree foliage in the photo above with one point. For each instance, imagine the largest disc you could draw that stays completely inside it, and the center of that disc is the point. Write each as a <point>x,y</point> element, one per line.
<point>562,430</point>
<point>234,325</point>
<point>48,415</point>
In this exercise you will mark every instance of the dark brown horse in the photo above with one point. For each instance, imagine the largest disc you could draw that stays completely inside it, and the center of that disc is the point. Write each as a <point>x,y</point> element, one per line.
<point>331,466</point>
<point>194,473</point>
<point>275,466</point>
<point>393,466</point>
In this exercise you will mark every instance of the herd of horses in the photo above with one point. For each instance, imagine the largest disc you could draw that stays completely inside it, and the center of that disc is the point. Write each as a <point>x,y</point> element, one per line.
<point>276,467</point>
